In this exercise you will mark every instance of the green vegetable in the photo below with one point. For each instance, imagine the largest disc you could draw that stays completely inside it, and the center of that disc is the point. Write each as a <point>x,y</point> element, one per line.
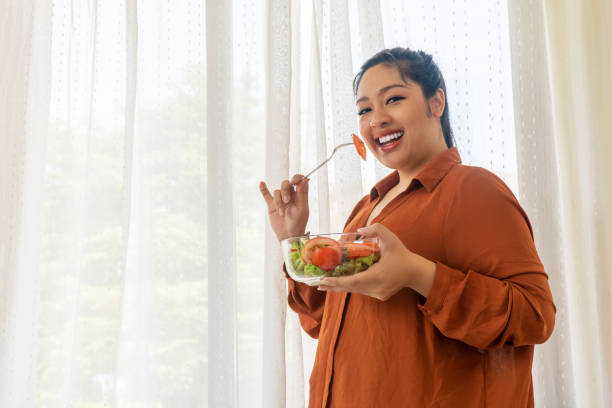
<point>298,265</point>
<point>313,270</point>
<point>297,245</point>
<point>296,259</point>
<point>345,268</point>
<point>368,260</point>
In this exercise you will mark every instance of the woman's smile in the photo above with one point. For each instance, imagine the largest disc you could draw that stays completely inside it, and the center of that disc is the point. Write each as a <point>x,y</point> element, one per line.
<point>388,141</point>
<point>390,138</point>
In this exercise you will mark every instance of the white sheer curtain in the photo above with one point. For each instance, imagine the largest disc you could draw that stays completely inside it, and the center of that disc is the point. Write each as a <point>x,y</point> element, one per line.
<point>131,248</point>
<point>562,76</point>
<point>137,265</point>
<point>24,94</point>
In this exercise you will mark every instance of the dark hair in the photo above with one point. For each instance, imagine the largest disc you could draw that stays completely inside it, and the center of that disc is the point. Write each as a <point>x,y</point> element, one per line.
<point>419,67</point>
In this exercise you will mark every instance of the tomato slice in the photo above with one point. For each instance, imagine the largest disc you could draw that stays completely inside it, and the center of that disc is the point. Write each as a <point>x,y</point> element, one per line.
<point>313,243</point>
<point>360,146</point>
<point>326,257</point>
<point>372,245</point>
<point>358,250</point>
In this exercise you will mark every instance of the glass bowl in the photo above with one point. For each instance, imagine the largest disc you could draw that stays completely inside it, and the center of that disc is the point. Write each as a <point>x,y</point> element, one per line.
<point>312,257</point>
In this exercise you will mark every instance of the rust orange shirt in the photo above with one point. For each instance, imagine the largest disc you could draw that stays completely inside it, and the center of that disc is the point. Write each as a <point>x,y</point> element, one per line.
<point>470,342</point>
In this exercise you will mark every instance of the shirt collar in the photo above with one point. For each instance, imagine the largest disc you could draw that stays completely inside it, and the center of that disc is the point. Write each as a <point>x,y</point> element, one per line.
<point>429,177</point>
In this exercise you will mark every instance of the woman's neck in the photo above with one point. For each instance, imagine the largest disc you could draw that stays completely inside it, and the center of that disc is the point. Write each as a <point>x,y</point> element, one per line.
<point>407,174</point>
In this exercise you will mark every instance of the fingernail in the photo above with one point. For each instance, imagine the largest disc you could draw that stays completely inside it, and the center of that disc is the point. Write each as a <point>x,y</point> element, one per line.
<point>321,289</point>
<point>286,199</point>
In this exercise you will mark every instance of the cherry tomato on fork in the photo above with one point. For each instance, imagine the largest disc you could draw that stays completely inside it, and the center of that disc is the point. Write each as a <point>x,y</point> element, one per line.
<point>360,146</point>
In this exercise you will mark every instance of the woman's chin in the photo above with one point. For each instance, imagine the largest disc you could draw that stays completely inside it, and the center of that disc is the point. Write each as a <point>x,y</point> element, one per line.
<point>392,164</point>
<point>393,159</point>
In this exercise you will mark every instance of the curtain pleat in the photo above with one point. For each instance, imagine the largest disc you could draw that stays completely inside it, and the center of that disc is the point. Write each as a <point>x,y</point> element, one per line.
<point>222,383</point>
<point>277,66</point>
<point>537,168</point>
<point>127,282</point>
<point>25,52</point>
<point>317,129</point>
<point>294,361</point>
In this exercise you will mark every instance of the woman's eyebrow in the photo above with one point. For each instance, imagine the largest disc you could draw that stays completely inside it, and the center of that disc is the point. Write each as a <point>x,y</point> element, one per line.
<point>381,91</point>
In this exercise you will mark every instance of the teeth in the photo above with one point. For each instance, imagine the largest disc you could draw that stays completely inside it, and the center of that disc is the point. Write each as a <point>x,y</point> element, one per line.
<point>390,137</point>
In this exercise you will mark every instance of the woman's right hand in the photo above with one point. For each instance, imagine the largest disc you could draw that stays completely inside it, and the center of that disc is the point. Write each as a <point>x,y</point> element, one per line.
<point>287,207</point>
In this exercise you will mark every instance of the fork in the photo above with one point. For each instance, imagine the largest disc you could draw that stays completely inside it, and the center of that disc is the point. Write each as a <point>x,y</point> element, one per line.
<point>322,164</point>
<point>315,169</point>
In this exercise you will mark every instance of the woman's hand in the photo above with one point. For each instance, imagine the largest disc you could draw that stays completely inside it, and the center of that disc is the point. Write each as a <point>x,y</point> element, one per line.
<point>287,207</point>
<point>397,268</point>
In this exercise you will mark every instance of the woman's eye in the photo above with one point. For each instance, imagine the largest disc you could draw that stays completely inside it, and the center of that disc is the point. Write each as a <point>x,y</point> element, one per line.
<point>363,111</point>
<point>394,99</point>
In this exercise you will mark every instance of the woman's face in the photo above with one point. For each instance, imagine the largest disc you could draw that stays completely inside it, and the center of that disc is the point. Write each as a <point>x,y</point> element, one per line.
<point>401,128</point>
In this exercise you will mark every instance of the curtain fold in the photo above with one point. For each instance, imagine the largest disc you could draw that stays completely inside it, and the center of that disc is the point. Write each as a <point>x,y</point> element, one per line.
<point>561,74</point>
<point>539,186</point>
<point>25,52</point>
<point>131,69</point>
<point>221,240</point>
<point>277,65</point>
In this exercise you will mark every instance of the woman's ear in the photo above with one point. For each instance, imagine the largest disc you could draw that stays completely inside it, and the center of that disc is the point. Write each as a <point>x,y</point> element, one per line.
<point>437,102</point>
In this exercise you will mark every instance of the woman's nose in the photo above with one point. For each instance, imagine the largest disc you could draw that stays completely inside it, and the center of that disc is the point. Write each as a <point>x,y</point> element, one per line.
<point>379,120</point>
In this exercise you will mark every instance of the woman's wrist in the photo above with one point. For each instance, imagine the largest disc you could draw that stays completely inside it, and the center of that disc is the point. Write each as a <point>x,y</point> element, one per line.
<point>298,232</point>
<point>421,274</point>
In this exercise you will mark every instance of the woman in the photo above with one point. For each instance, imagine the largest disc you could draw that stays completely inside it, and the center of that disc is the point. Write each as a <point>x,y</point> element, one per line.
<point>450,314</point>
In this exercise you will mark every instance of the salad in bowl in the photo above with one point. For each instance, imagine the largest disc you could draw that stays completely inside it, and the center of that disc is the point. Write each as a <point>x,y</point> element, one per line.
<point>312,257</point>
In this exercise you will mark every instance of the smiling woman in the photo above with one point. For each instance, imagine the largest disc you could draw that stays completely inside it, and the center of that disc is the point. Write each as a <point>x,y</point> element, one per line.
<point>459,293</point>
<point>412,67</point>
<point>400,126</point>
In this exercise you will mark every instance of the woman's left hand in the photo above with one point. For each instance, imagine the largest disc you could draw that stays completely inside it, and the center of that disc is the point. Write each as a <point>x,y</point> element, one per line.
<point>397,268</point>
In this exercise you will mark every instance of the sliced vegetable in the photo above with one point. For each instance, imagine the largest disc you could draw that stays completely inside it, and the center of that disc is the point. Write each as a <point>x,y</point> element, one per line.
<point>326,257</point>
<point>360,146</point>
<point>358,250</point>
<point>313,243</point>
<point>373,245</point>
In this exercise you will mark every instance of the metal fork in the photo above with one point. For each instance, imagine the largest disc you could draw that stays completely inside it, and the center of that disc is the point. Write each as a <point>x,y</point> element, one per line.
<point>322,164</point>
<point>316,168</point>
